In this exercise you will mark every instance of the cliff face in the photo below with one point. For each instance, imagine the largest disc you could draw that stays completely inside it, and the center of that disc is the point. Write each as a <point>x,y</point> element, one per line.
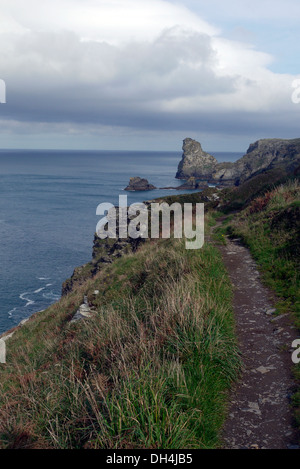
<point>105,251</point>
<point>262,155</point>
<point>269,154</point>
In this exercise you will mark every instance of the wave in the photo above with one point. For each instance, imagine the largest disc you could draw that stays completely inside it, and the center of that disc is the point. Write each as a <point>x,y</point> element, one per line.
<point>24,298</point>
<point>19,313</point>
<point>11,312</point>
<point>39,290</point>
<point>51,296</point>
<point>48,296</point>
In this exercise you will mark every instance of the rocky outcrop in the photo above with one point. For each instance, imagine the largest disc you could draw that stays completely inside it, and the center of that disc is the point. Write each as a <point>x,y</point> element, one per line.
<point>261,156</point>
<point>105,251</point>
<point>84,311</point>
<point>139,184</point>
<point>190,184</point>
<point>195,162</point>
<point>269,154</point>
<point>226,174</point>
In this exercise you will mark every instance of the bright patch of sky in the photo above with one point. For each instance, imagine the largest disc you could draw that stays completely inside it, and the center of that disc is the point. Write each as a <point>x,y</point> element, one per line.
<point>270,25</point>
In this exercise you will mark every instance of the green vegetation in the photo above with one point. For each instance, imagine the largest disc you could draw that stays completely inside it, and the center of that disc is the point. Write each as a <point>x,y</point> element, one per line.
<point>153,366</point>
<point>206,196</point>
<point>150,369</point>
<point>217,232</point>
<point>270,227</point>
<point>237,198</point>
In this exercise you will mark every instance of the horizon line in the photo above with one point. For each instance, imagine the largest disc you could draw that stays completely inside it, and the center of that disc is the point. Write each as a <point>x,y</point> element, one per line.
<point>112,150</point>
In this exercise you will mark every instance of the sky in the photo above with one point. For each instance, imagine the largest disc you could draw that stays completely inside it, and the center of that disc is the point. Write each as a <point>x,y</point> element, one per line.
<point>145,74</point>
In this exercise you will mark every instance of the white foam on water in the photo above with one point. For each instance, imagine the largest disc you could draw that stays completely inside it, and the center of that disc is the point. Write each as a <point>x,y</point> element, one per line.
<point>11,312</point>
<point>24,298</point>
<point>39,290</point>
<point>51,296</point>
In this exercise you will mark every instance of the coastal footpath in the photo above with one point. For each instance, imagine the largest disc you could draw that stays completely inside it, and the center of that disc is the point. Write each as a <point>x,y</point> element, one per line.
<point>147,347</point>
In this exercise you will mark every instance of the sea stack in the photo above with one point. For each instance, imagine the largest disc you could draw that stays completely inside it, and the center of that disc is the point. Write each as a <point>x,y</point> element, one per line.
<point>139,184</point>
<point>195,162</point>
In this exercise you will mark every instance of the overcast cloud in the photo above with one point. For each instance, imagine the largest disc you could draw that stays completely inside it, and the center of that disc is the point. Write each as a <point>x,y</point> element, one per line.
<point>127,73</point>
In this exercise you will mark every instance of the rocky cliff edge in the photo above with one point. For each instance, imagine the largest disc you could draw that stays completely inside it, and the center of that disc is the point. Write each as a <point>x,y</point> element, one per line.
<point>262,155</point>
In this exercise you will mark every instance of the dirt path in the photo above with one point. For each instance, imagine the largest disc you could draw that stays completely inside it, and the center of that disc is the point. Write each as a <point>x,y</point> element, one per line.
<point>259,415</point>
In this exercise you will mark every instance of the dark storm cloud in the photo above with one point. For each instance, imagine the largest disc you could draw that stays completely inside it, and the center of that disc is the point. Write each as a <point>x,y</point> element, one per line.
<point>64,79</point>
<point>180,78</point>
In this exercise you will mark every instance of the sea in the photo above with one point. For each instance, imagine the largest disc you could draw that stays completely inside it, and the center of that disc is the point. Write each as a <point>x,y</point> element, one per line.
<point>48,201</point>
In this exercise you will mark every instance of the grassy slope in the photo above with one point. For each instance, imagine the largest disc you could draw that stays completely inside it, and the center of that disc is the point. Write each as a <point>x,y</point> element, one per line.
<point>152,368</point>
<point>149,370</point>
<point>270,226</point>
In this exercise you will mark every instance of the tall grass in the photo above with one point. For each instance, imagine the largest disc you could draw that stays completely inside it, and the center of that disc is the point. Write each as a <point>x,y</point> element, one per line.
<point>150,369</point>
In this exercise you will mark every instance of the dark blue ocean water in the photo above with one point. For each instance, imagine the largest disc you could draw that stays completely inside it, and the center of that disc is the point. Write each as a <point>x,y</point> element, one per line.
<point>48,202</point>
